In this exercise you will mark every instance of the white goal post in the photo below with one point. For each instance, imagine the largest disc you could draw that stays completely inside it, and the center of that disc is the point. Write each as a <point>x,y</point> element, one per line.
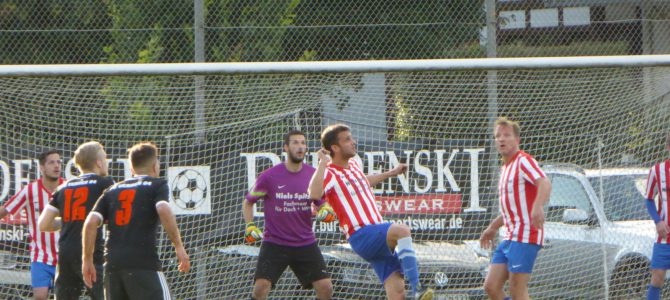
<point>363,66</point>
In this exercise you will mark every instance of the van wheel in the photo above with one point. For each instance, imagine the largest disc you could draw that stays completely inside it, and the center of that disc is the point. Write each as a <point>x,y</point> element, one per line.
<point>630,279</point>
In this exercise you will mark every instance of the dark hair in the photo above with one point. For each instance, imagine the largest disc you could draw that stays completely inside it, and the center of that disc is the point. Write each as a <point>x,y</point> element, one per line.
<point>43,156</point>
<point>329,135</point>
<point>142,154</point>
<point>287,137</point>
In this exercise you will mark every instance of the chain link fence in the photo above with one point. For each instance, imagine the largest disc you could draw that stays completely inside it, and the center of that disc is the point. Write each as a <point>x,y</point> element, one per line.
<point>572,116</point>
<point>127,31</point>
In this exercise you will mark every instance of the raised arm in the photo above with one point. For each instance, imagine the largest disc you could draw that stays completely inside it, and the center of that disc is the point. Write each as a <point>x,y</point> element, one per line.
<point>374,179</point>
<point>315,189</point>
<point>15,203</point>
<point>48,220</point>
<point>169,223</point>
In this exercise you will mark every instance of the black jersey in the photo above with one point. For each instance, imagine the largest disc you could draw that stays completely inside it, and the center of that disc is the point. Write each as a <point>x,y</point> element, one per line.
<point>74,199</point>
<point>129,207</point>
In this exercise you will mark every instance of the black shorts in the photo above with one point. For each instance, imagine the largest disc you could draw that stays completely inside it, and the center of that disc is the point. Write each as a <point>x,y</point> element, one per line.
<point>306,262</point>
<point>136,285</point>
<point>69,282</point>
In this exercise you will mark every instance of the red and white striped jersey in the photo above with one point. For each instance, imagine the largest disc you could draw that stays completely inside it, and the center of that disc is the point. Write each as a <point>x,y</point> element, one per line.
<point>34,197</point>
<point>518,191</point>
<point>658,184</point>
<point>348,191</point>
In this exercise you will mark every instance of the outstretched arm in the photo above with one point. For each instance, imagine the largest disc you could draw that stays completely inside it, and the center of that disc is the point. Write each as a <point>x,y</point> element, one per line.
<point>169,223</point>
<point>374,179</point>
<point>48,220</point>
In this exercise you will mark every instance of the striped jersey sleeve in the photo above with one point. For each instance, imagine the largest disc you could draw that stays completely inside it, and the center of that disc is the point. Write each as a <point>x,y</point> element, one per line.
<point>18,201</point>
<point>329,180</point>
<point>651,183</point>
<point>658,186</point>
<point>530,169</point>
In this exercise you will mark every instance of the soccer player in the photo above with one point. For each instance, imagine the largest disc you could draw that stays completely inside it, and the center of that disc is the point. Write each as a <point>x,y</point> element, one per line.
<point>288,237</point>
<point>34,197</point>
<point>349,192</point>
<point>524,189</point>
<point>132,210</point>
<point>73,201</point>
<point>658,183</point>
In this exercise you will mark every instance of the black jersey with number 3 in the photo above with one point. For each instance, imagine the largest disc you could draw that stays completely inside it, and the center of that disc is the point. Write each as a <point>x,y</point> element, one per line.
<point>129,207</point>
<point>74,199</point>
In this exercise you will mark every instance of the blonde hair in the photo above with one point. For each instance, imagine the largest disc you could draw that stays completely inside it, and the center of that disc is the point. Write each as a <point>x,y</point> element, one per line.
<point>502,121</point>
<point>87,155</point>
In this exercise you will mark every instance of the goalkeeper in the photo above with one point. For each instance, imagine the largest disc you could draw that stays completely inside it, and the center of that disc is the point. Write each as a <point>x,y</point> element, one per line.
<point>288,239</point>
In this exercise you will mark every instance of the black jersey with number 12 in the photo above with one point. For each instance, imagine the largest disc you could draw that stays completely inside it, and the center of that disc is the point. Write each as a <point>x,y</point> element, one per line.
<point>74,199</point>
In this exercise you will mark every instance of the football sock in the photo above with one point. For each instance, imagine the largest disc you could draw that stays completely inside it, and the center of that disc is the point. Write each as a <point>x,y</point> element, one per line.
<point>408,263</point>
<point>653,293</point>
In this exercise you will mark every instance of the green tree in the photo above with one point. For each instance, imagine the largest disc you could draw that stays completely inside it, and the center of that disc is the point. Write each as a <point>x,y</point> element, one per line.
<point>50,32</point>
<point>254,30</point>
<point>150,31</point>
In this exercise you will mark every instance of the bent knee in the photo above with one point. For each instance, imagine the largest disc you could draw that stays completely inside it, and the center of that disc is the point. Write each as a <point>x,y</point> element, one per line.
<point>518,286</point>
<point>325,292</point>
<point>326,286</point>
<point>657,278</point>
<point>400,230</point>
<point>261,289</point>
<point>492,287</point>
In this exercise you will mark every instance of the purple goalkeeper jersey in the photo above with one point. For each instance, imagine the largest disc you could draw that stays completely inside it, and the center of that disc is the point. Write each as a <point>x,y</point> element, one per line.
<point>288,209</point>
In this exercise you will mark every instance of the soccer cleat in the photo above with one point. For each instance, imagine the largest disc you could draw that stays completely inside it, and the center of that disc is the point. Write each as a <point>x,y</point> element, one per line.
<point>423,294</point>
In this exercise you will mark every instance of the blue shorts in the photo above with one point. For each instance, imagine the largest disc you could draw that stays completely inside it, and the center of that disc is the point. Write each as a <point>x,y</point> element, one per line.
<point>369,242</point>
<point>42,275</point>
<point>519,257</point>
<point>660,256</point>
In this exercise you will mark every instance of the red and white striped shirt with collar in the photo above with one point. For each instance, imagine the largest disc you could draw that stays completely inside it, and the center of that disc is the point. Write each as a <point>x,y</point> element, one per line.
<point>34,197</point>
<point>518,191</point>
<point>658,184</point>
<point>349,193</point>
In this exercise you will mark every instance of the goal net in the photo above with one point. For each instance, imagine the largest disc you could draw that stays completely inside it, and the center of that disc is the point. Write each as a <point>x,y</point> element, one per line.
<point>596,131</point>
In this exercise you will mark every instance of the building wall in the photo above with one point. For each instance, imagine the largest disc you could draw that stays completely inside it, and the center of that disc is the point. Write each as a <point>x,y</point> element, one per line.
<point>656,40</point>
<point>368,122</point>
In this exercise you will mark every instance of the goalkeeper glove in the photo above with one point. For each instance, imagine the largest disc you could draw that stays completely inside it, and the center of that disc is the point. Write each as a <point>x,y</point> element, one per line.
<point>325,214</point>
<point>252,233</point>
